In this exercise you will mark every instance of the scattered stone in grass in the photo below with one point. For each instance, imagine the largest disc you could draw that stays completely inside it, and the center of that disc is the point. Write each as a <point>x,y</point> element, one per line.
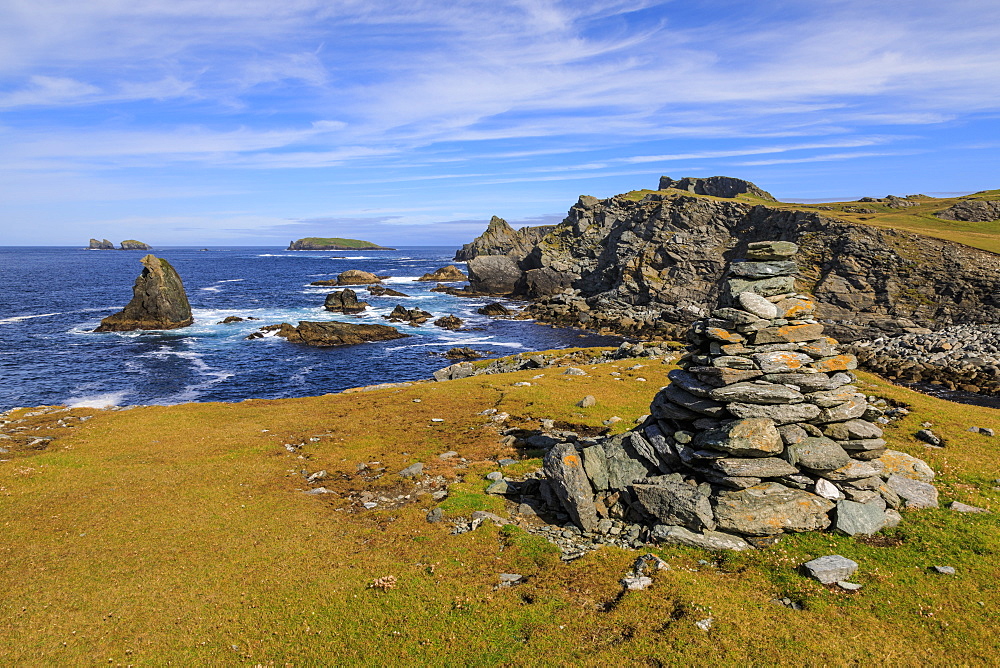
<point>434,515</point>
<point>416,401</point>
<point>930,438</point>
<point>488,411</point>
<point>368,505</point>
<point>573,371</point>
<point>507,461</point>
<point>611,420</point>
<point>500,487</point>
<point>960,507</point>
<point>522,383</point>
<point>547,424</point>
<point>704,624</point>
<point>447,455</point>
<point>319,475</point>
<point>440,494</point>
<point>636,582</point>
<point>831,568</point>
<point>848,586</point>
<point>510,579</point>
<point>412,471</point>
<point>640,380</point>
<point>437,420</point>
<point>587,402</point>
<point>384,583</point>
<point>788,603</point>
<point>986,431</point>
<point>318,490</point>
<point>945,570</point>
<point>494,475</point>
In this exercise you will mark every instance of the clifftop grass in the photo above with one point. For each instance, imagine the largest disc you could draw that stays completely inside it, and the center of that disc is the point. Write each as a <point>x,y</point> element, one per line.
<point>182,535</point>
<point>918,219</point>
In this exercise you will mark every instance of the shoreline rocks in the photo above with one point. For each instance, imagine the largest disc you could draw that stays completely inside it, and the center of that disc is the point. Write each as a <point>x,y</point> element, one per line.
<point>158,301</point>
<point>448,274</point>
<point>332,333</point>
<point>344,301</point>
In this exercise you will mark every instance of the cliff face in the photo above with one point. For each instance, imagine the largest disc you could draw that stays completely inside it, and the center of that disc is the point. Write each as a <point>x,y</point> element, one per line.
<point>101,244</point>
<point>158,301</point>
<point>715,186</point>
<point>501,239</point>
<point>132,244</point>
<point>649,268</point>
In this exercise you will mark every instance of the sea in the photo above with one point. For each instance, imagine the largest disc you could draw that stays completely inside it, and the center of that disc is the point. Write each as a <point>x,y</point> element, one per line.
<point>54,297</point>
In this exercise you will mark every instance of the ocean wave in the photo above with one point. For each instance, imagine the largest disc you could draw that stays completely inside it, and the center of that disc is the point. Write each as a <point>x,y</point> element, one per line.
<point>22,318</point>
<point>104,400</point>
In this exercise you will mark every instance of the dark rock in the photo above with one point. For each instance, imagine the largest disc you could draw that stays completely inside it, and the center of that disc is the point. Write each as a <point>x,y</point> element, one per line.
<point>382,291</point>
<point>344,301</point>
<point>676,503</point>
<point>354,277</point>
<point>449,322</point>
<point>495,309</point>
<point>325,334</point>
<point>493,274</point>
<point>413,316</point>
<point>501,239</point>
<point>463,353</point>
<point>564,469</point>
<point>972,210</point>
<point>96,244</point>
<point>715,186</point>
<point>158,301</point>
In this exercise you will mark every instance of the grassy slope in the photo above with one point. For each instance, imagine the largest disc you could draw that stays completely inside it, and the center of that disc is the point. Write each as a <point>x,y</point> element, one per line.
<point>918,219</point>
<point>177,535</point>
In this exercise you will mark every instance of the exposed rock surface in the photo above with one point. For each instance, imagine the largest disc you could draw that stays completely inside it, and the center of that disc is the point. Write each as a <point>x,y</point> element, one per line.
<point>760,432</point>
<point>356,277</point>
<point>344,301</point>
<point>649,268</point>
<point>972,210</point>
<point>132,244</point>
<point>501,239</point>
<point>382,291</point>
<point>451,322</point>
<point>447,274</point>
<point>716,186</point>
<point>495,309</point>
<point>98,244</point>
<point>158,301</point>
<point>324,334</point>
<point>413,316</point>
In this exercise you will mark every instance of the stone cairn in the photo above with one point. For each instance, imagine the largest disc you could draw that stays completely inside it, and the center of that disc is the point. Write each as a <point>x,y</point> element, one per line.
<point>760,432</point>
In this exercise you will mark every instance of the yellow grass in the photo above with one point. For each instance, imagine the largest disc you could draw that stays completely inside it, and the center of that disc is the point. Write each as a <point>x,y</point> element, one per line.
<point>180,535</point>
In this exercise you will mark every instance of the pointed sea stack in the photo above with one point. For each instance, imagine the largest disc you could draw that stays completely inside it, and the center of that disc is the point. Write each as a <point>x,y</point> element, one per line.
<point>158,301</point>
<point>99,244</point>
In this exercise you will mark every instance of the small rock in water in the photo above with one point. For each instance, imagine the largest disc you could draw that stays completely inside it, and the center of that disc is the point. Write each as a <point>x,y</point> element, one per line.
<point>945,570</point>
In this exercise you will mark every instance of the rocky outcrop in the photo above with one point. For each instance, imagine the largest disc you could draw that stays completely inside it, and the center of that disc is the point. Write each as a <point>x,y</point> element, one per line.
<point>344,301</point>
<point>972,210</point>
<point>326,334</point>
<point>760,431</point>
<point>448,274</point>
<point>158,301</point>
<point>132,244</point>
<point>97,244</point>
<point>893,202</point>
<point>501,239</point>
<point>496,309</point>
<point>649,268</point>
<point>715,186</point>
<point>451,322</point>
<point>414,316</point>
<point>351,277</point>
<point>382,291</point>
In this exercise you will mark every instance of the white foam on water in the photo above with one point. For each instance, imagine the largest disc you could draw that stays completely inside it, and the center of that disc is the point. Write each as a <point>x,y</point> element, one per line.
<point>22,318</point>
<point>212,288</point>
<point>195,390</point>
<point>105,400</point>
<point>231,280</point>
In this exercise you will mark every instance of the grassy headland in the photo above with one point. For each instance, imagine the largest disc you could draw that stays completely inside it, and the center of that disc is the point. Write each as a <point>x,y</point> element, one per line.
<point>918,219</point>
<point>182,535</point>
<point>333,243</point>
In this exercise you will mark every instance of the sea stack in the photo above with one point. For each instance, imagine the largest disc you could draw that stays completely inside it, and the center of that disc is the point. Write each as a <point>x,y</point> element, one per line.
<point>101,244</point>
<point>158,301</point>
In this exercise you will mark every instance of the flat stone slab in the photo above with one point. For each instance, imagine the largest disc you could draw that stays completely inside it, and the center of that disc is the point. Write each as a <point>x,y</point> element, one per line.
<point>917,494</point>
<point>863,519</point>
<point>708,540</point>
<point>831,569</point>
<point>771,508</point>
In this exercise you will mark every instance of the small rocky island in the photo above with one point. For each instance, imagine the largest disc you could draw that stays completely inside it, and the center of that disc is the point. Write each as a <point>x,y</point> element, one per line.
<point>328,334</point>
<point>158,301</point>
<point>333,243</point>
<point>128,244</point>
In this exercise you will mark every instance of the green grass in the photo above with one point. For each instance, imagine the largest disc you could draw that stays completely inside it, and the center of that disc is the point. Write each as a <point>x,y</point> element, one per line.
<point>178,535</point>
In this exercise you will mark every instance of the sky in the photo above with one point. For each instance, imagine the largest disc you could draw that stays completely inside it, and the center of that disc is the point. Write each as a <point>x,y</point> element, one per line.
<point>255,122</point>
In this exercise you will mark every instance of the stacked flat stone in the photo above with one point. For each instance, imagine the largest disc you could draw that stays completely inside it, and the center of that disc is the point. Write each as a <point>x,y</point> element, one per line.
<point>761,430</point>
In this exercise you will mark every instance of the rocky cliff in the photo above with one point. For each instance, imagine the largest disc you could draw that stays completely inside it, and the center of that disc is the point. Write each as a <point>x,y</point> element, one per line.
<point>158,301</point>
<point>101,244</point>
<point>132,244</point>
<point>650,266</point>
<point>501,239</point>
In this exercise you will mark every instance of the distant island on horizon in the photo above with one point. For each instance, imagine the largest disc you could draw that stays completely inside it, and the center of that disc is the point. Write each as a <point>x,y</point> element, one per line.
<point>334,243</point>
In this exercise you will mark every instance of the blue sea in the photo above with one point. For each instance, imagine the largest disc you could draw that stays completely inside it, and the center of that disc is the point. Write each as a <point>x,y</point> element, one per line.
<point>54,297</point>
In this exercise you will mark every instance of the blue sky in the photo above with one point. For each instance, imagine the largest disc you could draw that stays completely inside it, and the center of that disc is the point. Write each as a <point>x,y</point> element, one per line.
<point>254,122</point>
